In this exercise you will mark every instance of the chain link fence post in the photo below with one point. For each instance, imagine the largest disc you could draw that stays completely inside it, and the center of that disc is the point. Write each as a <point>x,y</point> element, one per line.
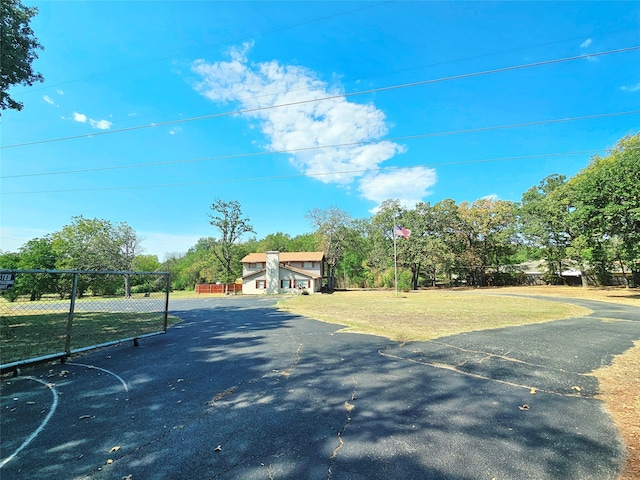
<point>72,306</point>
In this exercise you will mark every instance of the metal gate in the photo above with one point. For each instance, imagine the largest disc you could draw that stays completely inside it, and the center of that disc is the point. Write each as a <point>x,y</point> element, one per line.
<point>51,314</point>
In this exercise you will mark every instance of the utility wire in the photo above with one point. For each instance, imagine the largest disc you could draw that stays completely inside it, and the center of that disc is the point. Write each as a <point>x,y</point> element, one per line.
<point>269,32</point>
<point>324,174</point>
<point>336,96</point>
<point>320,147</point>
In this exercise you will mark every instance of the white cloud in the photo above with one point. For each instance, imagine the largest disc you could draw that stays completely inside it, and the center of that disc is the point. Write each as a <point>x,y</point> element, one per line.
<point>48,99</point>
<point>586,43</point>
<point>175,130</point>
<point>408,185</point>
<point>100,124</point>
<point>60,92</point>
<point>354,128</point>
<point>632,88</point>
<point>79,117</point>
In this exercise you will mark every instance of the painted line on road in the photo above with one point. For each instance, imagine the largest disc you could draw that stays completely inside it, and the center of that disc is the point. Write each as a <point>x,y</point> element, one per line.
<point>445,366</point>
<point>54,392</point>
<point>93,367</point>
<point>508,359</point>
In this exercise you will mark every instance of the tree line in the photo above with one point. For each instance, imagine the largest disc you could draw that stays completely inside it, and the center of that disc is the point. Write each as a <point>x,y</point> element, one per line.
<point>589,222</point>
<point>84,244</point>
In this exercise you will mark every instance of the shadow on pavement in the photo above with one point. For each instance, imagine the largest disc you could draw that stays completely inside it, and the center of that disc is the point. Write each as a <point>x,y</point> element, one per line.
<point>240,390</point>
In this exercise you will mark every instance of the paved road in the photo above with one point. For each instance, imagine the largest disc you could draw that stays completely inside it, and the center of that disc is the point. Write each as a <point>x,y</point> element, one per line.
<point>240,390</point>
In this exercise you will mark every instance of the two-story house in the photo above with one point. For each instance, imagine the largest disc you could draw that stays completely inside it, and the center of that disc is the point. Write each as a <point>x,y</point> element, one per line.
<point>282,272</point>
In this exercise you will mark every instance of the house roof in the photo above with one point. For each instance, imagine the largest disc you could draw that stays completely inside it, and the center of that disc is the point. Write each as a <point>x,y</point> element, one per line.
<point>286,257</point>
<point>306,273</point>
<point>259,273</point>
<point>254,274</point>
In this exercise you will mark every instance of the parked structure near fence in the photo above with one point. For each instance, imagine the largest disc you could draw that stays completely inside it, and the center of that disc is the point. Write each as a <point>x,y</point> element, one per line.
<point>218,288</point>
<point>52,314</point>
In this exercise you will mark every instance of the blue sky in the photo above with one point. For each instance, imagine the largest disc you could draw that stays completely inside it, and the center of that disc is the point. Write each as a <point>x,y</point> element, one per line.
<point>116,130</point>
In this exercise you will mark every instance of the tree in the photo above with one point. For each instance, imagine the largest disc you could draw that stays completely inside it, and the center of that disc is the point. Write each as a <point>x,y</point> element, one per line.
<point>128,246</point>
<point>606,199</point>
<point>18,49</point>
<point>37,254</point>
<point>544,222</point>
<point>280,242</point>
<point>307,242</point>
<point>332,225</point>
<point>381,255</point>
<point>232,226</point>
<point>446,243</point>
<point>146,263</point>
<point>431,248</point>
<point>488,229</point>
<point>96,244</point>
<point>351,270</point>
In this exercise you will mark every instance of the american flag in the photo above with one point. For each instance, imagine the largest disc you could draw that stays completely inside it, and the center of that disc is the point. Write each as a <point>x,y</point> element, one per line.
<point>402,232</point>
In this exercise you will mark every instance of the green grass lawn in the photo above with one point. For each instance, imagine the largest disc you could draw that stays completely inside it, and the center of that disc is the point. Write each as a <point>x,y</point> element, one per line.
<point>425,315</point>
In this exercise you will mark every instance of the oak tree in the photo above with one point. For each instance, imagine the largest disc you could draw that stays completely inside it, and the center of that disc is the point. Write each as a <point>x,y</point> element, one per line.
<point>18,50</point>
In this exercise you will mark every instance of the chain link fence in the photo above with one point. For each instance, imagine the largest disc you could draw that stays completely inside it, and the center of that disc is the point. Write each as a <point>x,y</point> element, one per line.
<point>49,314</point>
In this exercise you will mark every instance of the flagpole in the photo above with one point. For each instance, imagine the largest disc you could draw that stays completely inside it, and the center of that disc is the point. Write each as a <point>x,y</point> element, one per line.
<point>395,258</point>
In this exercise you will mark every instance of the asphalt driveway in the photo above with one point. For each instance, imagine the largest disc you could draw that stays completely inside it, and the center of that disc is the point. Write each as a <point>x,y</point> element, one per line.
<point>241,390</point>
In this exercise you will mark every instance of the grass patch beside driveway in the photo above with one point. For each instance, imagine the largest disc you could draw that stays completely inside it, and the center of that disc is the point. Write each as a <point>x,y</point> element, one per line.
<point>428,314</point>
<point>620,390</point>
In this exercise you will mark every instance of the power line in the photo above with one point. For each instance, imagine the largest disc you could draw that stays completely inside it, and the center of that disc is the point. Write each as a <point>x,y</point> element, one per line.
<point>447,62</point>
<point>333,97</point>
<point>301,175</point>
<point>269,32</point>
<point>320,147</point>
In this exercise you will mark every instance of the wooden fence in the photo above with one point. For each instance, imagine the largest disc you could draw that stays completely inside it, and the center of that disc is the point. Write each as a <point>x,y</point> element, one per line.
<point>218,288</point>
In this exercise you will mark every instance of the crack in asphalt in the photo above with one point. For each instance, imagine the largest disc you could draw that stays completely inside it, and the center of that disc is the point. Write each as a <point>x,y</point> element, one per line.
<point>349,407</point>
<point>287,372</point>
<point>445,366</point>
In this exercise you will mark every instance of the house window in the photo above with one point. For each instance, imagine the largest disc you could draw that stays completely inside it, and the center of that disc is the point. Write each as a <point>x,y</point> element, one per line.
<point>261,284</point>
<point>285,283</point>
<point>309,264</point>
<point>303,283</point>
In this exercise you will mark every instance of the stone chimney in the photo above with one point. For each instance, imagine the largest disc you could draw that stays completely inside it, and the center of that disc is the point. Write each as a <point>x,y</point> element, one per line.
<point>273,273</point>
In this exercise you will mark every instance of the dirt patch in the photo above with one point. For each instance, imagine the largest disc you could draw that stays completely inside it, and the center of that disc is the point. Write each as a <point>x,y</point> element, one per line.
<point>620,390</point>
